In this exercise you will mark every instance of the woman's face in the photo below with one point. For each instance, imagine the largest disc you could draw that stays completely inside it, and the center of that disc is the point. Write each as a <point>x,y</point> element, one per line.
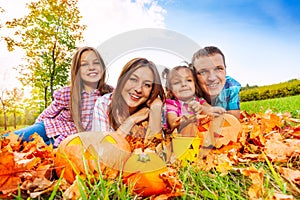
<point>90,70</point>
<point>137,88</point>
<point>211,74</point>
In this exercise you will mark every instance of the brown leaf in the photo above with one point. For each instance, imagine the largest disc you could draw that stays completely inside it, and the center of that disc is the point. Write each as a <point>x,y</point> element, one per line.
<point>278,149</point>
<point>256,189</point>
<point>73,191</point>
<point>290,174</point>
<point>279,196</point>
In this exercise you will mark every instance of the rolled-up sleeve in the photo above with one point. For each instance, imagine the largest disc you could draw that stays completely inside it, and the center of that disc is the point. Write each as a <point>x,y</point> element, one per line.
<point>100,115</point>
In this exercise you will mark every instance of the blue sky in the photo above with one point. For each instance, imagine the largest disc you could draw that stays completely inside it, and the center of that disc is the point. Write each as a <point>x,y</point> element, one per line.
<point>260,38</point>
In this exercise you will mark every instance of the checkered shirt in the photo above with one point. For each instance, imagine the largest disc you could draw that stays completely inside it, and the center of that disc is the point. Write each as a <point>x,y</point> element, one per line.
<point>100,117</point>
<point>57,116</point>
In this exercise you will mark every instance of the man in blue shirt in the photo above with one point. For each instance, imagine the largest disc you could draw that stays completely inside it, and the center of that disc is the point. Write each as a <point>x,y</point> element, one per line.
<point>218,89</point>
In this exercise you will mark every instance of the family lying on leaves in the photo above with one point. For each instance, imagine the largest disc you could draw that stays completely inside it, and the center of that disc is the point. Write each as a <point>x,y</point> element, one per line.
<point>191,91</point>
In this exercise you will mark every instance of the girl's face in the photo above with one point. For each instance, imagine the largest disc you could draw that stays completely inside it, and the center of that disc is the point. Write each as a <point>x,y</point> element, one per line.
<point>211,74</point>
<point>183,84</point>
<point>90,70</point>
<point>137,88</point>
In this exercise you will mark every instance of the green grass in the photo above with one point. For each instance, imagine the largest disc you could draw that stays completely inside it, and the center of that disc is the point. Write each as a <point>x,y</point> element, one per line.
<point>211,184</point>
<point>279,105</point>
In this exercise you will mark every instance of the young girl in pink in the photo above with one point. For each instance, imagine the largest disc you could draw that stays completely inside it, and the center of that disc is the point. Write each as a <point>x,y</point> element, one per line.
<point>184,97</point>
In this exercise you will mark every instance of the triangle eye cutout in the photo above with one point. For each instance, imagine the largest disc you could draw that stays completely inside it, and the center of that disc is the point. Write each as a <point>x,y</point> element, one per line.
<point>109,139</point>
<point>226,123</point>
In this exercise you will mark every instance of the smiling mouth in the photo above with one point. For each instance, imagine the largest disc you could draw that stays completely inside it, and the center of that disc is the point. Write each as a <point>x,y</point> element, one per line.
<point>213,86</point>
<point>93,74</point>
<point>184,90</point>
<point>134,97</point>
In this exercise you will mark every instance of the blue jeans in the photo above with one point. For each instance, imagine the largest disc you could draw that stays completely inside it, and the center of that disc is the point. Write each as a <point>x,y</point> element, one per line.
<point>39,128</point>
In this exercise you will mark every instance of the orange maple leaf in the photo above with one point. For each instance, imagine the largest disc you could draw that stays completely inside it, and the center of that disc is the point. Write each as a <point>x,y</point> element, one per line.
<point>9,179</point>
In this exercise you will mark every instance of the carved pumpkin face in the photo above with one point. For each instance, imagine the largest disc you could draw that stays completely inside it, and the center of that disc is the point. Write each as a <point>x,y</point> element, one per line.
<point>97,149</point>
<point>224,129</point>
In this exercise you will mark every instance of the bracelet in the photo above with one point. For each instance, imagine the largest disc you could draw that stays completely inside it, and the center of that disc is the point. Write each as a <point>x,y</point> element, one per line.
<point>202,101</point>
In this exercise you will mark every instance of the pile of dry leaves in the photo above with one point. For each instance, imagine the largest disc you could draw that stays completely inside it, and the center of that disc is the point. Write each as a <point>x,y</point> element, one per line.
<point>274,137</point>
<point>270,137</point>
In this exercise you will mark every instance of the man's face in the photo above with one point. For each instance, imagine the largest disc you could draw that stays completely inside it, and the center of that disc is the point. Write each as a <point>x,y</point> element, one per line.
<point>211,74</point>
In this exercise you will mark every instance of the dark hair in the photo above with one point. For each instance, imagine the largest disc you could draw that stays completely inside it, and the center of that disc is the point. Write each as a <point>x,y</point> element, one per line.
<point>118,108</point>
<point>207,51</point>
<point>167,74</point>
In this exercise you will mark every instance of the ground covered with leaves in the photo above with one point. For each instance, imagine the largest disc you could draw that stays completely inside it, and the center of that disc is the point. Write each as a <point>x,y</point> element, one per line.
<point>262,162</point>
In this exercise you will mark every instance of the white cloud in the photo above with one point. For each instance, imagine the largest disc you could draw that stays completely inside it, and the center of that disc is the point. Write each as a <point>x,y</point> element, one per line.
<point>108,18</point>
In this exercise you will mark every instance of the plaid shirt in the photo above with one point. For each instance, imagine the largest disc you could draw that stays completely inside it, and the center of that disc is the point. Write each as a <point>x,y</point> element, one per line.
<point>57,116</point>
<point>100,117</point>
<point>229,97</point>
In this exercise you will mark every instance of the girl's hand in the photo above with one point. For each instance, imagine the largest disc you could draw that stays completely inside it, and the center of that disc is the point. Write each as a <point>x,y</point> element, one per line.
<point>176,122</point>
<point>214,111</point>
<point>195,107</point>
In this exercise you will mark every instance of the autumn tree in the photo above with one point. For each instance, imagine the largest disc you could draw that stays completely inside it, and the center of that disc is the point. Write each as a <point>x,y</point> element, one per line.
<point>48,34</point>
<point>10,103</point>
<point>16,96</point>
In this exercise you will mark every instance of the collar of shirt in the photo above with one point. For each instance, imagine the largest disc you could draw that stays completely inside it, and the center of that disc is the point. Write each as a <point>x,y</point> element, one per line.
<point>93,92</point>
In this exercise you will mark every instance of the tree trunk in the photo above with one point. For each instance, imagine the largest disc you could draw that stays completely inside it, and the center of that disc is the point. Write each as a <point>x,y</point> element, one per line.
<point>4,114</point>
<point>45,97</point>
<point>4,119</point>
<point>15,120</point>
<point>53,71</point>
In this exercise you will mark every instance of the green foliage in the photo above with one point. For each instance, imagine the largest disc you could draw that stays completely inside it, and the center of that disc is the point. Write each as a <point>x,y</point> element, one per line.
<point>289,88</point>
<point>278,105</point>
<point>48,34</point>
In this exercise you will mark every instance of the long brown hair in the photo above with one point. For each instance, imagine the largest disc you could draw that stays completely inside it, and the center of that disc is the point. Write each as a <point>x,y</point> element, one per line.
<point>118,109</point>
<point>77,85</point>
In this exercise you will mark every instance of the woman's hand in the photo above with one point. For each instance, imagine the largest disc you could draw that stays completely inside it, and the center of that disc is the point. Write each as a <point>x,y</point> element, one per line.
<point>155,117</point>
<point>137,117</point>
<point>140,115</point>
<point>156,104</point>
